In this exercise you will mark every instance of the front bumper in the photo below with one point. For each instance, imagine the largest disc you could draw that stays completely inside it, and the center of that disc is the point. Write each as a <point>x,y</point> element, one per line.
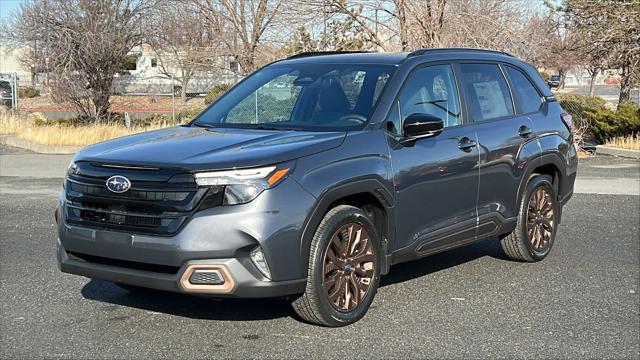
<point>245,283</point>
<point>219,238</point>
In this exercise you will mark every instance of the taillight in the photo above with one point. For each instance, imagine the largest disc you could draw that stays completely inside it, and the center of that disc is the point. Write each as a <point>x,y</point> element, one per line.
<point>567,119</point>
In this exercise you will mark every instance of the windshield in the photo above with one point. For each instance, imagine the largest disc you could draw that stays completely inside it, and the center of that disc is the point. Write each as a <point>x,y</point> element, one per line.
<point>310,97</point>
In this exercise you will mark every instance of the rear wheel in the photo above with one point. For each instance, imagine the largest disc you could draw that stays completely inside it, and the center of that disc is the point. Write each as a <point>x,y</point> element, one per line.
<point>535,231</point>
<point>344,269</point>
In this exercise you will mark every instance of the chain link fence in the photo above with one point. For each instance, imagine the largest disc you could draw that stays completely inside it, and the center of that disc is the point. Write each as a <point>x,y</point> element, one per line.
<point>154,97</point>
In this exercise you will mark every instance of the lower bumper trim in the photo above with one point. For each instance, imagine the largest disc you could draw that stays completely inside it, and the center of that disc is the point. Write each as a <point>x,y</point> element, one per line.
<point>239,282</point>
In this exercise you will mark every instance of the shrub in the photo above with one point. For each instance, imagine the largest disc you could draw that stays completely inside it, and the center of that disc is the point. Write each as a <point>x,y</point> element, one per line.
<point>28,92</point>
<point>42,121</point>
<point>607,124</point>
<point>603,123</point>
<point>187,115</point>
<point>216,92</point>
<point>148,121</point>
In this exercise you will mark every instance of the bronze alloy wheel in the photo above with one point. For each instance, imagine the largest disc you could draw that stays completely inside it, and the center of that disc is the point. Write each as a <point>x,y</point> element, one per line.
<point>349,264</point>
<point>540,219</point>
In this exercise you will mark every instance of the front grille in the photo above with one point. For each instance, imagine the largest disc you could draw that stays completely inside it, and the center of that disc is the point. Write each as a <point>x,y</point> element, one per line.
<point>132,194</point>
<point>159,201</point>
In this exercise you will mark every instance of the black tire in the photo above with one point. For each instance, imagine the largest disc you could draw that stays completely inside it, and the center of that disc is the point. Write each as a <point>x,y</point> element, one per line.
<point>314,305</point>
<point>517,244</point>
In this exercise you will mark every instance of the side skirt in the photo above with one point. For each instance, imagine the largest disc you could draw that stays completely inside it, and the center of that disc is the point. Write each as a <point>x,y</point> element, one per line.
<point>454,236</point>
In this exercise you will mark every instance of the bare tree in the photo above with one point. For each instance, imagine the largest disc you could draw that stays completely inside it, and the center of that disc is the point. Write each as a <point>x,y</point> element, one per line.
<point>612,28</point>
<point>242,24</point>
<point>362,15</point>
<point>300,42</point>
<point>182,45</point>
<point>87,41</point>
<point>511,26</point>
<point>429,16</point>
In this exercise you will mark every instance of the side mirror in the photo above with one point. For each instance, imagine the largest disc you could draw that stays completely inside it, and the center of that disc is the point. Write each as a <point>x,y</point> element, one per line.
<point>422,125</point>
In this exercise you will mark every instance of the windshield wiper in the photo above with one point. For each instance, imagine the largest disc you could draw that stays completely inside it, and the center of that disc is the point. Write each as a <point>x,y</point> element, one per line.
<point>271,127</point>
<point>202,125</point>
<point>436,103</point>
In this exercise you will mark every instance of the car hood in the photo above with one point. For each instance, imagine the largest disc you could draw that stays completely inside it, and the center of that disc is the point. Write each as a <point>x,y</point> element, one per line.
<point>196,148</point>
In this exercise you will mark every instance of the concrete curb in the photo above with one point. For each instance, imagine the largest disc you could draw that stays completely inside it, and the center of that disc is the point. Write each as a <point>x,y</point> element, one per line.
<point>607,150</point>
<point>13,141</point>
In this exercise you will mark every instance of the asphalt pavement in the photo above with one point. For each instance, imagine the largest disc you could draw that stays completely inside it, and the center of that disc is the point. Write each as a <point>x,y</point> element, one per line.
<point>582,301</point>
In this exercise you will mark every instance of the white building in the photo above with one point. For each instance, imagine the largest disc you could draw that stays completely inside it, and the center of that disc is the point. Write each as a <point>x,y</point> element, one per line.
<point>10,64</point>
<point>149,76</point>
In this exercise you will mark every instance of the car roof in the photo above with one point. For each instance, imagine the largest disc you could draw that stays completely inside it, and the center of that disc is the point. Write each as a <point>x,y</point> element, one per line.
<point>346,58</point>
<point>363,57</point>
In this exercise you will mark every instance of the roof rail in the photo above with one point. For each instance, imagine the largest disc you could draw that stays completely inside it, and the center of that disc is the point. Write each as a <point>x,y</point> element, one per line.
<point>419,52</point>
<point>320,53</point>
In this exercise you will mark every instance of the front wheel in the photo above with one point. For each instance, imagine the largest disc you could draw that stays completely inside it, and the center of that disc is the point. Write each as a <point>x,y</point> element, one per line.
<point>536,227</point>
<point>344,269</point>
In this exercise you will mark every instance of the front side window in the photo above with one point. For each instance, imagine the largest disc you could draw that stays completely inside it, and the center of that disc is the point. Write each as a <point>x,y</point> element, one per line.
<point>428,90</point>
<point>528,97</point>
<point>486,91</point>
<point>301,97</point>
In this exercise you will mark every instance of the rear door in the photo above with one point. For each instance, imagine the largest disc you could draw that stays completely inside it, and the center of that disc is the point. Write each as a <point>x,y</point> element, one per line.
<point>504,133</point>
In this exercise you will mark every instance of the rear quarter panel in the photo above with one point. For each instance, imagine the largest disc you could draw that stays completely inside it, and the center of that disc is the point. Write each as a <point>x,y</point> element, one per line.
<point>556,140</point>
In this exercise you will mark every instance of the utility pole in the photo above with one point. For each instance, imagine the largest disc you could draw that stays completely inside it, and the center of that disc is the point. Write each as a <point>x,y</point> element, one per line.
<point>324,25</point>
<point>375,25</point>
<point>173,100</point>
<point>46,46</point>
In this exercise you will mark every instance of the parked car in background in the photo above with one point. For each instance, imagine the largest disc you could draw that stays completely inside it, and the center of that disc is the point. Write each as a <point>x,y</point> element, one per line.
<point>6,93</point>
<point>313,190</point>
<point>553,81</point>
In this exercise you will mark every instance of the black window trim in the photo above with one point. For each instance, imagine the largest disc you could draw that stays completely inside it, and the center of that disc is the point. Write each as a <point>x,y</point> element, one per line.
<point>498,64</point>
<point>543,98</point>
<point>419,66</point>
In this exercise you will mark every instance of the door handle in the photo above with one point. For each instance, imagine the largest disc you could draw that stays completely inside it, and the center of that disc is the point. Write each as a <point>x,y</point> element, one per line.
<point>524,131</point>
<point>466,144</point>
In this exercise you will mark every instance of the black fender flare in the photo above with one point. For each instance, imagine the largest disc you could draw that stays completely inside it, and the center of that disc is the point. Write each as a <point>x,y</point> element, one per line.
<point>371,185</point>
<point>553,158</point>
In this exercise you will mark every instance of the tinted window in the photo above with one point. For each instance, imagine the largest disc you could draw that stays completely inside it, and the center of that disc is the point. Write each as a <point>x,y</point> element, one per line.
<point>428,90</point>
<point>487,91</point>
<point>301,96</point>
<point>524,91</point>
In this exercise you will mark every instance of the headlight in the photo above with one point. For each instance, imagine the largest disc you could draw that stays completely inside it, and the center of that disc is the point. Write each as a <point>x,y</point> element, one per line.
<point>72,168</point>
<point>242,185</point>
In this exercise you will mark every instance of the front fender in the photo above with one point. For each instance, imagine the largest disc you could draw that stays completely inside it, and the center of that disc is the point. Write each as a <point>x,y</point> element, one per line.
<point>344,171</point>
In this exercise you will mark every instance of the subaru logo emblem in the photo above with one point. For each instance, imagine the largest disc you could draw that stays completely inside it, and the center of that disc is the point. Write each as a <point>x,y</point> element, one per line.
<point>118,184</point>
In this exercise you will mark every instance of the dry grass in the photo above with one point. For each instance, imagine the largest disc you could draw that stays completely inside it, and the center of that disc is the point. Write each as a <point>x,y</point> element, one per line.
<point>23,127</point>
<point>630,142</point>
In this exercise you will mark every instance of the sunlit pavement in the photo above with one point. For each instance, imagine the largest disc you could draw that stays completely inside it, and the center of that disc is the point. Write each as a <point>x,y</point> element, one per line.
<point>582,301</point>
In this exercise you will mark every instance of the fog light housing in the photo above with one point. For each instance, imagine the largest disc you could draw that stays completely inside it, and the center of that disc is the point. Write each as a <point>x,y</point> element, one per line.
<point>257,256</point>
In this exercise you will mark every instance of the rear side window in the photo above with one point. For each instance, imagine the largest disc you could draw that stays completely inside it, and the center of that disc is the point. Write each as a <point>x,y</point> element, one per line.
<point>487,91</point>
<point>526,94</point>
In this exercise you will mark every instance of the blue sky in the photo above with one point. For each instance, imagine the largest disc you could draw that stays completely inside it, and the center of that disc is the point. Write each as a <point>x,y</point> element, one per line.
<point>8,7</point>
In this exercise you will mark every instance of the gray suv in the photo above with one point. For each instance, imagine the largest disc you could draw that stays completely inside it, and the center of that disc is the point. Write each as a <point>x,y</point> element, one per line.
<point>315,174</point>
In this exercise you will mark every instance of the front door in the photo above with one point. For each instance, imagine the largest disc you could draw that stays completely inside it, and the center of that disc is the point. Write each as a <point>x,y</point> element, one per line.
<point>435,178</point>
